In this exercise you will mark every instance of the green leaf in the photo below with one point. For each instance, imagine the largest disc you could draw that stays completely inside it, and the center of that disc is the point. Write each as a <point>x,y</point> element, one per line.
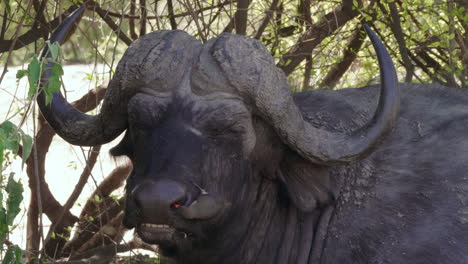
<point>3,225</point>
<point>1,199</point>
<point>57,70</point>
<point>9,257</point>
<point>27,146</point>
<point>97,198</point>
<point>53,50</point>
<point>54,82</point>
<point>15,197</point>
<point>18,255</point>
<point>1,156</point>
<point>3,222</point>
<point>9,136</point>
<point>88,77</point>
<point>21,73</point>
<point>53,85</point>
<point>116,199</point>
<point>34,73</point>
<point>13,256</point>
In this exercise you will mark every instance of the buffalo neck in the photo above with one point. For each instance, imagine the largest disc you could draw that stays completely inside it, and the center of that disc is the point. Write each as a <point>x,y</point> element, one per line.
<point>269,230</point>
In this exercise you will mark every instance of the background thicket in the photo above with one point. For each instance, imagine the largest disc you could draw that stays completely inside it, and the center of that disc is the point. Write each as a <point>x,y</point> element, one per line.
<point>318,44</point>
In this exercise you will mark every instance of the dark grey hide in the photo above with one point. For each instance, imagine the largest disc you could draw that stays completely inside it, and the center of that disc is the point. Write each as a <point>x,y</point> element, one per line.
<point>408,201</point>
<point>229,167</point>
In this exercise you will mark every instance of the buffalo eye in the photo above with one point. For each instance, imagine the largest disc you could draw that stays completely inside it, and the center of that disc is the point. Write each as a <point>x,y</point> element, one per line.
<point>145,111</point>
<point>222,128</point>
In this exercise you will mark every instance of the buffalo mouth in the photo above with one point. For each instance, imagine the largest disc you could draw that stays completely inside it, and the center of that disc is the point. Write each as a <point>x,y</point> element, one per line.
<point>160,233</point>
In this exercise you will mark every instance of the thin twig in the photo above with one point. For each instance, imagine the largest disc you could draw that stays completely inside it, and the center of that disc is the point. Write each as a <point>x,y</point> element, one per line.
<point>38,186</point>
<point>314,36</point>
<point>131,21</point>
<point>91,161</point>
<point>143,13</point>
<point>268,15</point>
<point>34,34</point>
<point>195,19</point>
<point>398,33</point>
<point>4,23</point>
<point>105,16</point>
<point>5,68</point>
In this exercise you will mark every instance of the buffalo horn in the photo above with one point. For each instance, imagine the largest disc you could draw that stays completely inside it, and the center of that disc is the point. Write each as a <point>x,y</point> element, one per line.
<point>327,148</point>
<point>72,125</point>
<point>250,68</point>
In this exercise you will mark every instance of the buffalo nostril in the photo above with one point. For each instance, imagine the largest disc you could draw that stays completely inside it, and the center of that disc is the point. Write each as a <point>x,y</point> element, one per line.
<point>156,198</point>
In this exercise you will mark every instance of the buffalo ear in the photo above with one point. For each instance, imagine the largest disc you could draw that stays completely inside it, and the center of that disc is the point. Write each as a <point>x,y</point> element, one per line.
<point>308,185</point>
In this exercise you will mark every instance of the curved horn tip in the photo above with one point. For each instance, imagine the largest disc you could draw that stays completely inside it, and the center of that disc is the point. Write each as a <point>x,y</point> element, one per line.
<point>75,127</point>
<point>60,34</point>
<point>373,37</point>
<point>389,76</point>
<point>377,43</point>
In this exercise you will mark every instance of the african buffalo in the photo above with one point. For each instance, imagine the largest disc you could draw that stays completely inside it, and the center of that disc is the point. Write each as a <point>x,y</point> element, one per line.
<point>231,167</point>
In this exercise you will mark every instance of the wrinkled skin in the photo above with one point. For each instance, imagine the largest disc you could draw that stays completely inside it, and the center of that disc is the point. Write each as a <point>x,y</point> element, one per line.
<point>212,150</point>
<point>408,201</point>
<point>403,198</point>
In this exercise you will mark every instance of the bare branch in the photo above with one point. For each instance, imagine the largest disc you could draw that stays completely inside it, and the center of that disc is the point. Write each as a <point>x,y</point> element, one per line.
<point>16,38</point>
<point>171,15</point>
<point>268,15</point>
<point>4,25</point>
<point>52,207</point>
<point>423,67</point>
<point>143,13</point>
<point>101,212</point>
<point>314,36</point>
<point>170,9</point>
<point>56,227</point>
<point>195,18</point>
<point>112,182</point>
<point>105,16</point>
<point>34,34</point>
<point>109,233</point>
<point>240,18</point>
<point>40,7</point>
<point>349,55</point>
<point>104,254</point>
<point>131,21</point>
<point>398,33</point>
<point>108,209</point>
<point>307,73</point>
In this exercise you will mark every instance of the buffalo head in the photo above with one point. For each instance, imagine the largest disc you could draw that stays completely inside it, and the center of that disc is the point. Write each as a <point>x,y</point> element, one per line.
<point>207,127</point>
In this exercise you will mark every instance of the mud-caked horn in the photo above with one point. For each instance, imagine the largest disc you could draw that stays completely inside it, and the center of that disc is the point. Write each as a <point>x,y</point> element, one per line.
<point>250,68</point>
<point>72,125</point>
<point>152,65</point>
